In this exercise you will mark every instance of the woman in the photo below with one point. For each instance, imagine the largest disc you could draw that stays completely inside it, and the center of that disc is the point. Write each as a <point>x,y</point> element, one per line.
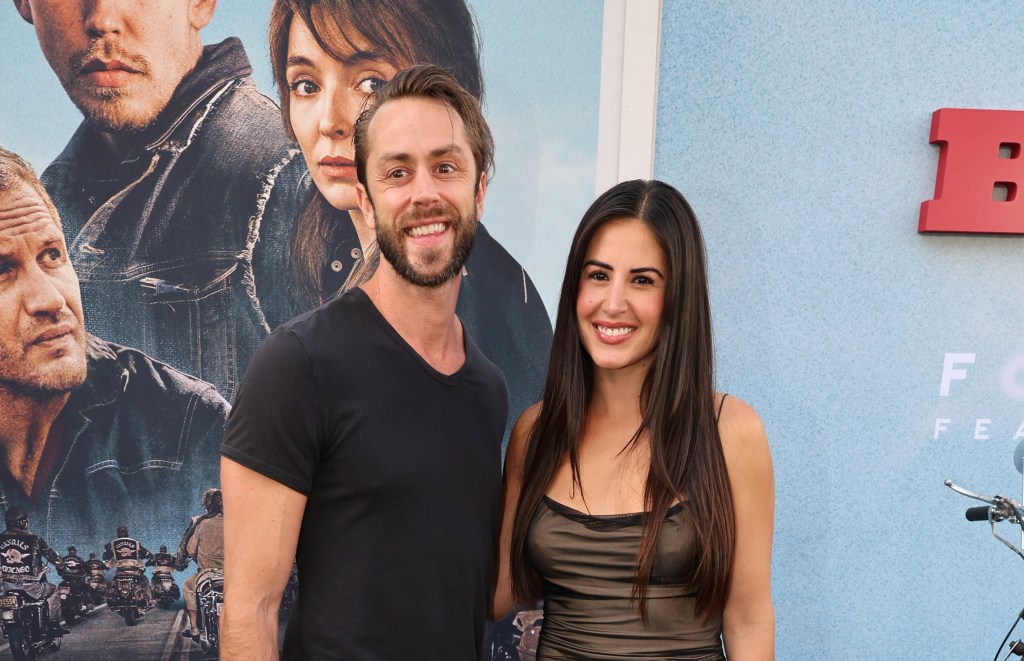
<point>638,501</point>
<point>328,57</point>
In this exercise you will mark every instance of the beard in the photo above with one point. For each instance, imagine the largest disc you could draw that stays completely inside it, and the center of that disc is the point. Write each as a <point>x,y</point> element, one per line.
<point>391,242</point>
<point>25,373</point>
<point>52,381</point>
<point>115,109</point>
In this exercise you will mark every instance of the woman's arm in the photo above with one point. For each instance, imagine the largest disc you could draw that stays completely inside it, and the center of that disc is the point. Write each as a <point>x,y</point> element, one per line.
<point>515,456</point>
<point>748,622</point>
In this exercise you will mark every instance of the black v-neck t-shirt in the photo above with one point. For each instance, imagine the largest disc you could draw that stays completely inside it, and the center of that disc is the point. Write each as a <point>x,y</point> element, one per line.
<point>402,469</point>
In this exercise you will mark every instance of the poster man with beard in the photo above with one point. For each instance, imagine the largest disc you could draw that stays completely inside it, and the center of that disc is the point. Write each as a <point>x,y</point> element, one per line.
<point>370,429</point>
<point>91,433</point>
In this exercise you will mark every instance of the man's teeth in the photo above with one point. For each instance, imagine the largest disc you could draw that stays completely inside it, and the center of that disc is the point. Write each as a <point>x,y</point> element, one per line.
<point>622,330</point>
<point>424,230</point>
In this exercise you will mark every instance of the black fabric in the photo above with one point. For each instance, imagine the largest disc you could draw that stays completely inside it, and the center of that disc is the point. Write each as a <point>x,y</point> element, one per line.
<point>401,466</point>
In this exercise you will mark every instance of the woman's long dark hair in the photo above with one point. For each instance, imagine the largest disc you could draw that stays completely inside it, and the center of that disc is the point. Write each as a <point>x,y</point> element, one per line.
<point>677,402</point>
<point>441,32</point>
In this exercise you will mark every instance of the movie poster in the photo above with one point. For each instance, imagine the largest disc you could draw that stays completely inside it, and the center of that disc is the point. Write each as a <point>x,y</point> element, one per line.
<point>184,250</point>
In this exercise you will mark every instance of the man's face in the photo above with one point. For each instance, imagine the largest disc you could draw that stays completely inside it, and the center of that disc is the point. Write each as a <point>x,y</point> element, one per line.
<point>421,192</point>
<point>42,335</point>
<point>119,60</point>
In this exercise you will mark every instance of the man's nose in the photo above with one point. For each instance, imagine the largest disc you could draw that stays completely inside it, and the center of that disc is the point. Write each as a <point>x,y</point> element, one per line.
<point>41,294</point>
<point>103,16</point>
<point>424,188</point>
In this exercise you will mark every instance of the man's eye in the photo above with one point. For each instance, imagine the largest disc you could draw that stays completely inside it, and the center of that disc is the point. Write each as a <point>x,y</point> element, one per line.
<point>446,168</point>
<point>371,84</point>
<point>53,255</point>
<point>397,174</point>
<point>303,87</point>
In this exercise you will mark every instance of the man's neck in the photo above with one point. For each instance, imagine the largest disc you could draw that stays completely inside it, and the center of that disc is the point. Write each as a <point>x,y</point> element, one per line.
<point>25,424</point>
<point>424,317</point>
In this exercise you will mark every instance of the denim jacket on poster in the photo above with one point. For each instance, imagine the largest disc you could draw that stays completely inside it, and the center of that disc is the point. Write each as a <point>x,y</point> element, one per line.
<point>179,242</point>
<point>139,444</point>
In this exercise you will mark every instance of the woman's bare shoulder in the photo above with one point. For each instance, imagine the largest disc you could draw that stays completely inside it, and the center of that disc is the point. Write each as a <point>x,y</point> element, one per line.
<point>742,432</point>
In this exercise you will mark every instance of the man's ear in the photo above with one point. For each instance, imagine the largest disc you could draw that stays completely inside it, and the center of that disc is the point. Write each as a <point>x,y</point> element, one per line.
<point>25,9</point>
<point>200,13</point>
<point>366,206</point>
<point>481,191</point>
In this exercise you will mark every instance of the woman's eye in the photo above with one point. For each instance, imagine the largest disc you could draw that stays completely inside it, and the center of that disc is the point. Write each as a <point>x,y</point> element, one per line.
<point>644,280</point>
<point>597,275</point>
<point>303,87</point>
<point>371,84</point>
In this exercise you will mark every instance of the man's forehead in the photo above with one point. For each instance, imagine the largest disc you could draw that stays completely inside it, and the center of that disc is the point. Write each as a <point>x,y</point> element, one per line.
<point>436,125</point>
<point>23,211</point>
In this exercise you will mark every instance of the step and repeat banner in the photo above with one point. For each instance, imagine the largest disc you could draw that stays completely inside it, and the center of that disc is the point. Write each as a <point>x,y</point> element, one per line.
<point>883,360</point>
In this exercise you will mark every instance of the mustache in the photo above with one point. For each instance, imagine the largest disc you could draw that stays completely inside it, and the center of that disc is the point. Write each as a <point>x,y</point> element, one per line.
<point>106,50</point>
<point>441,209</point>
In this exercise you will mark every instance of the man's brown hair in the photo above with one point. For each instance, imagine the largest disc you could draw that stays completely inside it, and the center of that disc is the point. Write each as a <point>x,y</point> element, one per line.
<point>14,169</point>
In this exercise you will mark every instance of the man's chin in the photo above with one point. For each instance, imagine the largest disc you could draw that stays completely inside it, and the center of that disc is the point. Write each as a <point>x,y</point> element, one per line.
<point>55,381</point>
<point>116,114</point>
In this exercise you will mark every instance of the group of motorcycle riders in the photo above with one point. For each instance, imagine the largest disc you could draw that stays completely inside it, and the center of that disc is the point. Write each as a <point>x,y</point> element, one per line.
<point>22,555</point>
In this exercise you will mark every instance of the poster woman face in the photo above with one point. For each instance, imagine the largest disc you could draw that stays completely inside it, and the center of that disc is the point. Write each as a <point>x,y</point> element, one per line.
<point>326,95</point>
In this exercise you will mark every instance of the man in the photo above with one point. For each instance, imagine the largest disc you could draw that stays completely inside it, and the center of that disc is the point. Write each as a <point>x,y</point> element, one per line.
<point>21,564</point>
<point>124,552</point>
<point>89,431</point>
<point>213,503</point>
<point>498,303</point>
<point>369,430</point>
<point>205,543</point>
<point>178,191</point>
<point>162,559</point>
<point>72,566</point>
<point>97,578</point>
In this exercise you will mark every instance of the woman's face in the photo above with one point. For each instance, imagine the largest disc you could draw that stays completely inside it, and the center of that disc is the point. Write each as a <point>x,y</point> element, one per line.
<point>326,96</point>
<point>621,295</point>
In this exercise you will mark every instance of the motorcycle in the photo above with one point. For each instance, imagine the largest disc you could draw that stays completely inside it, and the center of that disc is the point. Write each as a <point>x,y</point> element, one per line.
<point>75,598</point>
<point>26,624</point>
<point>998,509</point>
<point>165,590</point>
<point>209,604</point>
<point>97,584</point>
<point>127,594</point>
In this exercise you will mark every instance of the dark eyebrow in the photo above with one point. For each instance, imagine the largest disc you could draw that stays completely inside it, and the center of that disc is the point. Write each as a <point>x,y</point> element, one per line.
<point>355,58</point>
<point>646,269</point>
<point>639,269</point>
<point>401,157</point>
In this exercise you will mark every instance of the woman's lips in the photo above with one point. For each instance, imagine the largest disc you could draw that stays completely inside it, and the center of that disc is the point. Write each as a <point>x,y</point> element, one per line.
<point>613,333</point>
<point>338,167</point>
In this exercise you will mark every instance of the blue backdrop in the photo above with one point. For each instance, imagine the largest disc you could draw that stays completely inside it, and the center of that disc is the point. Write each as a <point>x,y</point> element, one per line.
<point>799,132</point>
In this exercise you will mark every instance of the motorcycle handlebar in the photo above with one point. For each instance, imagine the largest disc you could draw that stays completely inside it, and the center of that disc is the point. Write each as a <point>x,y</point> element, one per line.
<point>979,513</point>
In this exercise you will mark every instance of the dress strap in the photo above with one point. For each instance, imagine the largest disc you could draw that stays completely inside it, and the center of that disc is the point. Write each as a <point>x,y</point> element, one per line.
<point>720,405</point>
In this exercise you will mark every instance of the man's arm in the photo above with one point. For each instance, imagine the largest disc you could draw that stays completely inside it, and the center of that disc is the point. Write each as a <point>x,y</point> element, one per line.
<point>262,518</point>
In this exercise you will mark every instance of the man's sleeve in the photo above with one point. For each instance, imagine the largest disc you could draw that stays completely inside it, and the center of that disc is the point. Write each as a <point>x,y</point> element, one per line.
<point>48,552</point>
<point>276,427</point>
